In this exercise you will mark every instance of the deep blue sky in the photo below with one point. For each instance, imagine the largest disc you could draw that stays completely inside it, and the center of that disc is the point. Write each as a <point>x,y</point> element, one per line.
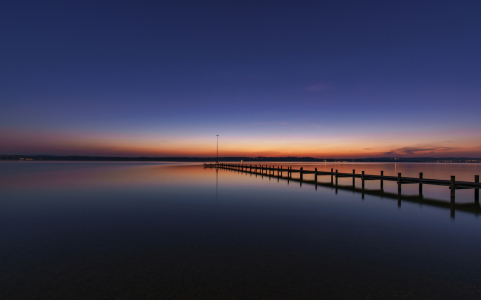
<point>323,78</point>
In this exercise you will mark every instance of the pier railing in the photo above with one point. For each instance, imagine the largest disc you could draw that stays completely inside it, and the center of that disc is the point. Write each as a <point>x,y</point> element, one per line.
<point>286,173</point>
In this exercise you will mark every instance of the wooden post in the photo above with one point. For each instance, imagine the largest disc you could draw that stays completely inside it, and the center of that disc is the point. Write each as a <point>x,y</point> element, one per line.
<point>315,175</point>
<point>362,182</point>
<point>476,191</point>
<point>453,195</point>
<point>420,185</point>
<point>453,189</point>
<point>301,174</point>
<point>382,182</point>
<point>353,178</point>
<point>281,171</point>
<point>336,180</point>
<point>332,170</point>
<point>399,184</point>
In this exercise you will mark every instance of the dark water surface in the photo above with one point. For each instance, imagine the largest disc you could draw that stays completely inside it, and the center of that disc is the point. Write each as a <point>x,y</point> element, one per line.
<point>176,231</point>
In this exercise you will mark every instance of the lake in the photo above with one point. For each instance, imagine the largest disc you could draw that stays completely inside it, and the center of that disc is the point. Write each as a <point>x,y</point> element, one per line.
<point>179,230</point>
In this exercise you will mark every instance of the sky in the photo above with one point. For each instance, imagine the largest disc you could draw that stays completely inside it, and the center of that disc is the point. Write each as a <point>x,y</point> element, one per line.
<point>326,79</point>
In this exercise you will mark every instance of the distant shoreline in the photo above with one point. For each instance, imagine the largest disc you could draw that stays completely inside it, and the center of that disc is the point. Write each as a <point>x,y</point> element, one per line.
<point>236,158</point>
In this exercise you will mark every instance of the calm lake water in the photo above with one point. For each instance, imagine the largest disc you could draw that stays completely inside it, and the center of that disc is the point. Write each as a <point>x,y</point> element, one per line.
<point>177,231</point>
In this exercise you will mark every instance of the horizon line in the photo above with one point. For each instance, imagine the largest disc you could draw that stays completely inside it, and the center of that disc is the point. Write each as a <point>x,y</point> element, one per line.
<point>2,156</point>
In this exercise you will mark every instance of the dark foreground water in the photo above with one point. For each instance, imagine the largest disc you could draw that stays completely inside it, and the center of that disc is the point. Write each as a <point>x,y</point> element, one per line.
<point>177,231</point>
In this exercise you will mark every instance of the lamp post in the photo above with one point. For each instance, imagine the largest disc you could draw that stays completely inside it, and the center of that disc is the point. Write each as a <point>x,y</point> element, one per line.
<point>217,160</point>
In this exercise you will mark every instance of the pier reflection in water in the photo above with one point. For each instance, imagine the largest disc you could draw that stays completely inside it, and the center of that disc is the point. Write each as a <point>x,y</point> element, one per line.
<point>281,172</point>
<point>128,230</point>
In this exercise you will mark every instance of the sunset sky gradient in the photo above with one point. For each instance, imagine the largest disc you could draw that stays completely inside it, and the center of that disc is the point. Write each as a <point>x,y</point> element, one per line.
<point>327,79</point>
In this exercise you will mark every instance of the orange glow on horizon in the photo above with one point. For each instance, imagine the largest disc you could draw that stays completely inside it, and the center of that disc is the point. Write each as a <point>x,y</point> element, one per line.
<point>467,144</point>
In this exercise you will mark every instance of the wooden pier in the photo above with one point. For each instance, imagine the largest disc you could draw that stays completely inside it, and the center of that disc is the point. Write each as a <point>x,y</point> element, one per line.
<point>286,173</point>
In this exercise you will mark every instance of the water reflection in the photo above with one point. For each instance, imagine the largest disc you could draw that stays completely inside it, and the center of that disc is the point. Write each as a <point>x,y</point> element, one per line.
<point>156,230</point>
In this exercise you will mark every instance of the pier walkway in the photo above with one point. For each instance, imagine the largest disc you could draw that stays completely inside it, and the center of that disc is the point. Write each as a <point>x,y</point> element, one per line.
<point>286,173</point>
